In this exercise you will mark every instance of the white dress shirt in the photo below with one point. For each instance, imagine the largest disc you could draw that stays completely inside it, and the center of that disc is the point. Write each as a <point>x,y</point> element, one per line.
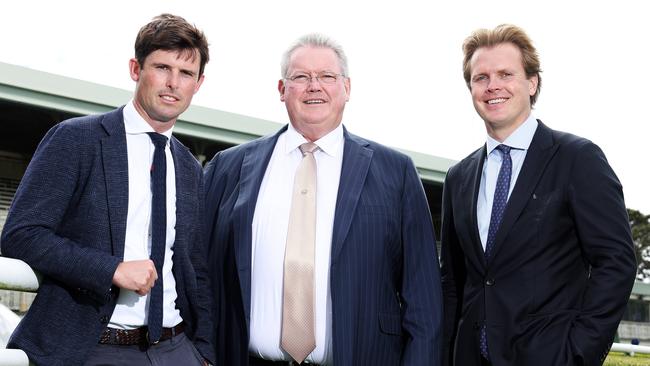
<point>132,309</point>
<point>270,226</point>
<point>519,141</point>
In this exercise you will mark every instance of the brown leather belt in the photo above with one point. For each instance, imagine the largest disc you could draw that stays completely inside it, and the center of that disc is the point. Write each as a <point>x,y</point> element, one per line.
<point>137,336</point>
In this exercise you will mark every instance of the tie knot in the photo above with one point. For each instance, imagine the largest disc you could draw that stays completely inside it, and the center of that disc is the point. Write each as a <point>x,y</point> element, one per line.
<point>308,147</point>
<point>159,141</point>
<point>505,149</point>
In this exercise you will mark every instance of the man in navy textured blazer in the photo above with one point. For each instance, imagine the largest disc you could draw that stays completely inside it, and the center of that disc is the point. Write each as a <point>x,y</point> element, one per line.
<point>537,255</point>
<point>82,217</point>
<point>377,294</point>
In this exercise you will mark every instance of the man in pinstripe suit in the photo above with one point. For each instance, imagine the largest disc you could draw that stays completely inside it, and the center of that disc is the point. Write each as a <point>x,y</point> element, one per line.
<point>376,285</point>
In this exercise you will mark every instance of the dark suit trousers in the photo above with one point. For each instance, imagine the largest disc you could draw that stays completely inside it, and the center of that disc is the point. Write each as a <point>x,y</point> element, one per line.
<point>172,352</point>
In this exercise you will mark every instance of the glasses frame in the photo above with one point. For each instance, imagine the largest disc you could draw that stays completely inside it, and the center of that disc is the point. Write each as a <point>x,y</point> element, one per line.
<point>311,77</point>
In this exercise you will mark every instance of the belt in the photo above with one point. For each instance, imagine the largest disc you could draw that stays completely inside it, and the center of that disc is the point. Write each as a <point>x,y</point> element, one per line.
<point>137,336</point>
<point>254,361</point>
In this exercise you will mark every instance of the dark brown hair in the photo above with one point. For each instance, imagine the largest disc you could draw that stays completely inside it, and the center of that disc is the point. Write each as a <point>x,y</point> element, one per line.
<point>171,33</point>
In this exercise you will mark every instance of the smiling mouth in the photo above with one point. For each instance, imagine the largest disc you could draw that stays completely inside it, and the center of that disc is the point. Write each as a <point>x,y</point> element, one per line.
<point>169,98</point>
<point>314,101</point>
<point>496,101</point>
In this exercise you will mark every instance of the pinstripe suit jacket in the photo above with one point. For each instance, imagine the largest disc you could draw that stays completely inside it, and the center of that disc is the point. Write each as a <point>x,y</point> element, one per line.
<point>384,275</point>
<point>68,221</point>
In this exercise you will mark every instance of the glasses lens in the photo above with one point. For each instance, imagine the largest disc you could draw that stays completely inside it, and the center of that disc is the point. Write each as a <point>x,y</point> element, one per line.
<point>300,79</point>
<point>327,78</point>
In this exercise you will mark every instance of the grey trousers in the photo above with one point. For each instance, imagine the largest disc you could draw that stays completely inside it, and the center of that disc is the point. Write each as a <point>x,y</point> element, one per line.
<point>176,351</point>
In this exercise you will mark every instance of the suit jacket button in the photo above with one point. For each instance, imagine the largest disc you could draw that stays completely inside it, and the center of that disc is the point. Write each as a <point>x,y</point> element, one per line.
<point>104,319</point>
<point>477,326</point>
<point>489,281</point>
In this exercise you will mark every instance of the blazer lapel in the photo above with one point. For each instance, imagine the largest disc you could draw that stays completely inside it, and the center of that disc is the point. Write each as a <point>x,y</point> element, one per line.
<point>255,160</point>
<point>356,161</point>
<point>184,173</point>
<point>116,175</point>
<point>472,187</point>
<point>539,154</point>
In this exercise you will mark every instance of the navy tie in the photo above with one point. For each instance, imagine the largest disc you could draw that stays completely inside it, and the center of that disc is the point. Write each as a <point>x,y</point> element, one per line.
<point>498,206</point>
<point>158,230</point>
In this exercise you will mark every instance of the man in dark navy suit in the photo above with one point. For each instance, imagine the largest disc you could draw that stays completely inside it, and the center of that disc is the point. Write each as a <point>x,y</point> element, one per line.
<point>537,255</point>
<point>109,211</point>
<point>322,241</point>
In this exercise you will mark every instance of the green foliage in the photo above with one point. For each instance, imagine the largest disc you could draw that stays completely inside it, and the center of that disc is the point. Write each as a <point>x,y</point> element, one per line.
<point>640,225</point>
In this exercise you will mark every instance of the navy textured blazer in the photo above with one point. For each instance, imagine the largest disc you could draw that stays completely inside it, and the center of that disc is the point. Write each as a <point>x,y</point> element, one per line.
<point>68,221</point>
<point>563,263</point>
<point>384,274</point>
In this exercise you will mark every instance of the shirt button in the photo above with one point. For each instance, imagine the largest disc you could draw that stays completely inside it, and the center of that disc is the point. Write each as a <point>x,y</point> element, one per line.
<point>489,281</point>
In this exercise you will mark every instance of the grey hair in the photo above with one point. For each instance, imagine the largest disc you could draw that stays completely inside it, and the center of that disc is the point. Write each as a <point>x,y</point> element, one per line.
<point>319,41</point>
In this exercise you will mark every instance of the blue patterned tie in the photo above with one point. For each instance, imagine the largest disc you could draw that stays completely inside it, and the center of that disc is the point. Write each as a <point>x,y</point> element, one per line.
<point>498,206</point>
<point>158,230</point>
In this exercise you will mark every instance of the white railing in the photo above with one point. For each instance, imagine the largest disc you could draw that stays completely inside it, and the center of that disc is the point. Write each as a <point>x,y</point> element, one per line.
<point>17,275</point>
<point>13,357</point>
<point>630,348</point>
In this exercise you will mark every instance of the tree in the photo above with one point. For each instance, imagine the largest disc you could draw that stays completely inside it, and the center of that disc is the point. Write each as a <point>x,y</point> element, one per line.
<point>640,225</point>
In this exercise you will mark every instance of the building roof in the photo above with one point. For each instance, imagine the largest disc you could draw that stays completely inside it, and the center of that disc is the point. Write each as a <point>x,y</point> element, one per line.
<point>23,85</point>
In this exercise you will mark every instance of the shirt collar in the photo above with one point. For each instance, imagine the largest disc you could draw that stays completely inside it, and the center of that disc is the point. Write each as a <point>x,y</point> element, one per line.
<point>134,124</point>
<point>520,139</point>
<point>330,144</point>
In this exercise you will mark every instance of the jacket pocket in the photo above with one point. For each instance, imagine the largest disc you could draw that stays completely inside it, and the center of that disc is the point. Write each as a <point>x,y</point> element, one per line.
<point>390,323</point>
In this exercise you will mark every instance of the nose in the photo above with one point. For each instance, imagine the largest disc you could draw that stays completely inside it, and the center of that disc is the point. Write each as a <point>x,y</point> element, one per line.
<point>173,80</point>
<point>314,84</point>
<point>494,84</point>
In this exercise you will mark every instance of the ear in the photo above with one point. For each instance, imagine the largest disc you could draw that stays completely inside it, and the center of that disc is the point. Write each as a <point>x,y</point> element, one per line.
<point>347,85</point>
<point>281,88</point>
<point>533,81</point>
<point>134,69</point>
<point>199,83</point>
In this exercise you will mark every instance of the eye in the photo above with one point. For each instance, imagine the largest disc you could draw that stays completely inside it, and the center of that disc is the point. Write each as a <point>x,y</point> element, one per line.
<point>479,78</point>
<point>300,78</point>
<point>327,78</point>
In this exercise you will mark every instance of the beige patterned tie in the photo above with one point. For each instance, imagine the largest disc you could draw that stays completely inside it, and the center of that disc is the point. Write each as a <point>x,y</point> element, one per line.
<point>298,301</point>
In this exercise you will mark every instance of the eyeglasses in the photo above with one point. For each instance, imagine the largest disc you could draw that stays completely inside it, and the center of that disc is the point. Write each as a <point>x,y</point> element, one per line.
<point>323,78</point>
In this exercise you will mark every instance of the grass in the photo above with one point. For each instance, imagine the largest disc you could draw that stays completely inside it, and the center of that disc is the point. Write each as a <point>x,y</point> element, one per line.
<point>622,359</point>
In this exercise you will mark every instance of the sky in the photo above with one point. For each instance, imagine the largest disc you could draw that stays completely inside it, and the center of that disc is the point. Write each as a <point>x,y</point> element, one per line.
<point>404,57</point>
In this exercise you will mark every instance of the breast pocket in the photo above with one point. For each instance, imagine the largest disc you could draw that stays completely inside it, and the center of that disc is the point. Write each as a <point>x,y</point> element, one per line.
<point>543,203</point>
<point>377,221</point>
<point>376,212</point>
